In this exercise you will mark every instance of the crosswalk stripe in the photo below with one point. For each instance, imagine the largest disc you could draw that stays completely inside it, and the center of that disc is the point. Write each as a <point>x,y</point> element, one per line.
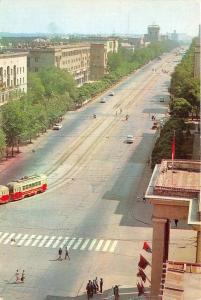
<point>4,236</point>
<point>99,245</point>
<point>92,244</point>
<point>51,240</point>
<point>29,240</point>
<point>22,240</point>
<point>85,244</point>
<point>36,240</point>
<point>43,241</point>
<point>9,238</point>
<point>106,245</point>
<point>1,233</point>
<point>64,242</point>
<point>79,241</point>
<point>112,248</point>
<point>16,238</point>
<point>57,242</point>
<point>71,242</point>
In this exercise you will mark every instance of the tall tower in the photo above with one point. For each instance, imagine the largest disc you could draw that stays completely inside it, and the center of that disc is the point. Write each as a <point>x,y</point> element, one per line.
<point>153,33</point>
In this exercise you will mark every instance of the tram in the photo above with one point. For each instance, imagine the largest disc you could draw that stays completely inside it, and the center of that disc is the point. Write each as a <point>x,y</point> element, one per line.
<point>25,187</point>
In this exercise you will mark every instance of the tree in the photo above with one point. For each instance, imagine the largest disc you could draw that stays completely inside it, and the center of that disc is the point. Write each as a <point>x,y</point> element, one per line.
<point>180,107</point>
<point>2,143</point>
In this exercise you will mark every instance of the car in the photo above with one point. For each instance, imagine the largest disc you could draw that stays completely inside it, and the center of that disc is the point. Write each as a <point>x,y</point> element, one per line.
<point>111,94</point>
<point>129,139</point>
<point>57,126</point>
<point>162,99</point>
<point>103,100</point>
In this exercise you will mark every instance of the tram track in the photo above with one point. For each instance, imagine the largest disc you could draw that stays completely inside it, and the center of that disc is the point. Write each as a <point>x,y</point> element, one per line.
<point>132,98</point>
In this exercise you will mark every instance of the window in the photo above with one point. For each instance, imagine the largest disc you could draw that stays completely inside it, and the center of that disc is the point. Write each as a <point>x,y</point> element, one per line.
<point>23,79</point>
<point>23,69</point>
<point>20,70</point>
<point>11,71</point>
<point>20,80</point>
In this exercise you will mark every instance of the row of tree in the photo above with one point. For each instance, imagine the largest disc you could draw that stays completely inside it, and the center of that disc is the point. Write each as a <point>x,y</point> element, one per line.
<point>51,93</point>
<point>185,102</point>
<point>121,64</point>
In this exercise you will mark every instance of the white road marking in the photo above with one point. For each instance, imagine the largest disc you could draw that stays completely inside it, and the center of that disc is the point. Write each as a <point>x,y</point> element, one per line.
<point>92,244</point>
<point>64,242</point>
<point>99,245</point>
<point>71,242</point>
<point>57,242</point>
<point>79,241</point>
<point>85,244</point>
<point>9,238</point>
<point>36,240</point>
<point>106,245</point>
<point>30,240</point>
<point>75,243</point>
<point>43,241</point>
<point>22,240</point>
<point>4,236</point>
<point>112,248</point>
<point>50,241</point>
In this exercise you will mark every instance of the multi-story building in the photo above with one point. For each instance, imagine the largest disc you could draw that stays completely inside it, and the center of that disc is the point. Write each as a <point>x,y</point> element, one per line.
<point>196,66</point>
<point>73,58</point>
<point>13,74</point>
<point>153,33</point>
<point>99,57</point>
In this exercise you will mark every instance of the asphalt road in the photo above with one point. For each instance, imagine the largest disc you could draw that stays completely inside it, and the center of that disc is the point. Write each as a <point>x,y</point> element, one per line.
<point>92,204</point>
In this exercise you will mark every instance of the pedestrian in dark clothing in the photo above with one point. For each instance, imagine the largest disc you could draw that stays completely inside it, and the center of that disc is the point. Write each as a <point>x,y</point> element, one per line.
<point>66,253</point>
<point>116,292</point>
<point>96,282</point>
<point>94,287</point>
<point>88,289</point>
<point>60,254</point>
<point>176,222</point>
<point>101,285</point>
<point>23,276</point>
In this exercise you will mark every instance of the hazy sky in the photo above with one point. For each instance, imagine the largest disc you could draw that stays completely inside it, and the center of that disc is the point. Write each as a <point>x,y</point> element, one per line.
<point>99,16</point>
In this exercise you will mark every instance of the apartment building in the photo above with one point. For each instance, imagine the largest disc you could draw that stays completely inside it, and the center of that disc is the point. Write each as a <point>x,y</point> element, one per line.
<point>13,74</point>
<point>73,58</point>
<point>99,57</point>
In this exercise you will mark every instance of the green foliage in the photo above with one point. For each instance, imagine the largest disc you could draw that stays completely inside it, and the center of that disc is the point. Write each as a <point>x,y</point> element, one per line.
<point>180,108</point>
<point>121,64</point>
<point>2,143</point>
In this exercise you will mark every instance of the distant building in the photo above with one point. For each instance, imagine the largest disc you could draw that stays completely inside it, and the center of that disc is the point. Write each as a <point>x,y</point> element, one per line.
<point>174,36</point>
<point>153,33</point>
<point>138,42</point>
<point>164,37</point>
<point>174,192</point>
<point>73,58</point>
<point>13,74</point>
<point>99,57</point>
<point>128,46</point>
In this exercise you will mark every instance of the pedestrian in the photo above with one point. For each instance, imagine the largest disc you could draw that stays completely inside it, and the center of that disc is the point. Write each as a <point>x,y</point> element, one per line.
<point>60,254</point>
<point>116,292</point>
<point>101,285</point>
<point>88,289</point>
<point>17,275</point>
<point>23,276</point>
<point>144,199</point>
<point>176,222</point>
<point>96,282</point>
<point>116,113</point>
<point>66,253</point>
<point>152,117</point>
<point>94,287</point>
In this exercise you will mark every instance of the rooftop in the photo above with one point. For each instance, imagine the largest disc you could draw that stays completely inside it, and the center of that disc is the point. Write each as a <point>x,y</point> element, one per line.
<point>12,54</point>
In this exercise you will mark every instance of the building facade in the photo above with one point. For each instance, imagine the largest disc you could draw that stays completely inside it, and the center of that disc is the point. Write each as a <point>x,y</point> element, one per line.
<point>196,66</point>
<point>13,74</point>
<point>174,192</point>
<point>98,60</point>
<point>73,58</point>
<point>153,33</point>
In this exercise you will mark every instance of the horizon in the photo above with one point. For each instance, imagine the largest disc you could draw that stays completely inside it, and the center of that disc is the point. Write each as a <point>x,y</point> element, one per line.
<point>110,17</point>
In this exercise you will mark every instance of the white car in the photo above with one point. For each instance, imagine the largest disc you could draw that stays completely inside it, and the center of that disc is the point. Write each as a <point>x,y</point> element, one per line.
<point>57,126</point>
<point>103,100</point>
<point>130,139</point>
<point>111,94</point>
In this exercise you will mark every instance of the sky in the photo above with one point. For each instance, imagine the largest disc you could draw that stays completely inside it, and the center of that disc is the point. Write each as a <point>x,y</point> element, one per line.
<point>99,16</point>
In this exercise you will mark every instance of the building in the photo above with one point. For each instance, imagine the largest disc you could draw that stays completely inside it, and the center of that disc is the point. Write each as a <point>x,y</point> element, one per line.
<point>153,33</point>
<point>99,57</point>
<point>164,37</point>
<point>73,58</point>
<point>128,46</point>
<point>174,191</point>
<point>138,42</point>
<point>13,74</point>
<point>174,36</point>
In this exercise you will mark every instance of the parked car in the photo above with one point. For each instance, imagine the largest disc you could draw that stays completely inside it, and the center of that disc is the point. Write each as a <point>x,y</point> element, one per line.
<point>130,139</point>
<point>111,94</point>
<point>103,100</point>
<point>57,126</point>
